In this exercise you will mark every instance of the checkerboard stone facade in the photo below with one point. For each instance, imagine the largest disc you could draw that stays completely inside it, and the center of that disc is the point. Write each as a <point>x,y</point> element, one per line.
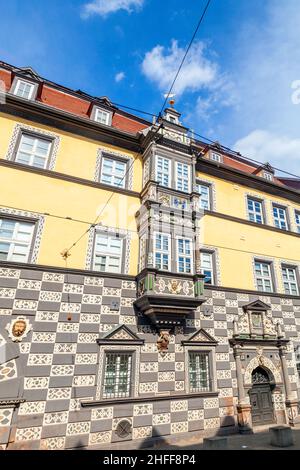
<point>59,363</point>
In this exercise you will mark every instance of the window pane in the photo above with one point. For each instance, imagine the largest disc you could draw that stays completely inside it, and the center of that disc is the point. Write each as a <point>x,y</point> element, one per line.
<point>199,374</point>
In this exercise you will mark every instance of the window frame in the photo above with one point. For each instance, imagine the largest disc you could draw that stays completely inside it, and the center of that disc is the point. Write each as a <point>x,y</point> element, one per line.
<point>217,160</point>
<point>268,176</point>
<point>34,135</point>
<point>155,250</point>
<point>31,244</point>
<point>297,214</point>
<point>122,255</point>
<point>114,158</point>
<point>96,109</point>
<point>169,173</point>
<point>200,183</point>
<point>287,221</point>
<point>262,205</point>
<point>213,264</point>
<point>208,354</point>
<point>118,352</point>
<point>185,256</point>
<point>296,281</point>
<point>183,178</point>
<point>271,271</point>
<point>16,84</point>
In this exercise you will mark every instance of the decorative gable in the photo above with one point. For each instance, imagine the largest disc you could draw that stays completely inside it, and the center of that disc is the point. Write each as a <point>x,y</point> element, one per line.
<point>201,337</point>
<point>120,335</point>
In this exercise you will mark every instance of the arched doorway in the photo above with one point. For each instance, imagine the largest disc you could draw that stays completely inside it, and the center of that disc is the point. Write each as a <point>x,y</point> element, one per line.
<point>262,410</point>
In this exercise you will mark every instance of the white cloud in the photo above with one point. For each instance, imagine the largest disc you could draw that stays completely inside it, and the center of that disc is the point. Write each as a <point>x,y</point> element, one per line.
<point>119,77</point>
<point>160,66</point>
<point>105,7</point>
<point>266,146</point>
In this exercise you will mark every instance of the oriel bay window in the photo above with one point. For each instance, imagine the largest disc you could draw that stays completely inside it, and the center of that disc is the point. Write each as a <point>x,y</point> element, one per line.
<point>199,372</point>
<point>33,151</point>
<point>117,379</point>
<point>182,177</point>
<point>108,253</point>
<point>15,240</point>
<point>163,171</point>
<point>263,274</point>
<point>290,280</point>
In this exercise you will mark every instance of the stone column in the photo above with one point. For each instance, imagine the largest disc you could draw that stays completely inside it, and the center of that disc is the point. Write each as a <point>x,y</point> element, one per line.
<point>243,407</point>
<point>290,402</point>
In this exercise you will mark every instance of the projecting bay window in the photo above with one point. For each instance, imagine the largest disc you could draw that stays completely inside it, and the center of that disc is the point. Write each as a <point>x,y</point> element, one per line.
<point>182,177</point>
<point>113,172</point>
<point>163,171</point>
<point>117,375</point>
<point>199,372</point>
<point>297,220</point>
<point>255,210</point>
<point>290,280</point>
<point>184,255</point>
<point>280,217</point>
<point>33,151</point>
<point>162,251</point>
<point>205,196</point>
<point>263,274</point>
<point>207,266</point>
<point>108,253</point>
<point>15,240</point>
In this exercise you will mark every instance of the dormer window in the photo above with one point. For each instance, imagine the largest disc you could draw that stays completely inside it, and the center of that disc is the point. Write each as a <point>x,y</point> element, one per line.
<point>101,116</point>
<point>268,176</point>
<point>216,157</point>
<point>24,89</point>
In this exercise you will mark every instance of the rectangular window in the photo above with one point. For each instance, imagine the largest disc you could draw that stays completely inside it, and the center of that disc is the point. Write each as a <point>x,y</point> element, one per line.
<point>162,251</point>
<point>102,116</point>
<point>24,89</point>
<point>15,240</point>
<point>216,157</point>
<point>163,167</point>
<point>117,375</point>
<point>182,177</point>
<point>255,210</point>
<point>204,200</point>
<point>263,276</point>
<point>297,220</point>
<point>33,151</point>
<point>290,281</point>
<point>199,374</point>
<point>113,172</point>
<point>108,253</point>
<point>207,267</point>
<point>268,176</point>
<point>184,255</point>
<point>280,217</point>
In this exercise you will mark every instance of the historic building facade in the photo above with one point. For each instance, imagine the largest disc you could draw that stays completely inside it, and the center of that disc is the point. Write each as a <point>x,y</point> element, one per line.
<point>149,282</point>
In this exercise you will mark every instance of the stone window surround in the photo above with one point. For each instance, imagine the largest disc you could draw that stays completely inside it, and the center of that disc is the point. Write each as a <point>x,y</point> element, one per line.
<point>216,262</point>
<point>21,129</point>
<point>263,208</point>
<point>288,264</point>
<point>15,82</point>
<point>274,204</point>
<point>212,365</point>
<point>212,191</point>
<point>123,157</point>
<point>24,216</point>
<point>124,234</point>
<point>135,367</point>
<point>269,261</point>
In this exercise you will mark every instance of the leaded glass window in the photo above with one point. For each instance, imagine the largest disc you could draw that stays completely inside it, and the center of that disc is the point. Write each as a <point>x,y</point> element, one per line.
<point>199,373</point>
<point>117,375</point>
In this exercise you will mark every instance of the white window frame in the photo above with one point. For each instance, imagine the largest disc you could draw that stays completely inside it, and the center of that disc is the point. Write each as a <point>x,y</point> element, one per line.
<point>32,155</point>
<point>215,157</point>
<point>264,277</point>
<point>102,111</point>
<point>184,255</point>
<point>162,251</point>
<point>297,220</point>
<point>17,86</point>
<point>208,188</point>
<point>113,173</point>
<point>105,253</point>
<point>164,173</point>
<point>211,269</point>
<point>268,176</point>
<point>185,180</point>
<point>277,218</point>
<point>289,282</point>
<point>13,242</point>
<point>253,212</point>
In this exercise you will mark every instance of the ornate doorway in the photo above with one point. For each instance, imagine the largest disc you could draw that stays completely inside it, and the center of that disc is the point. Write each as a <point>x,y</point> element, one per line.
<point>262,410</point>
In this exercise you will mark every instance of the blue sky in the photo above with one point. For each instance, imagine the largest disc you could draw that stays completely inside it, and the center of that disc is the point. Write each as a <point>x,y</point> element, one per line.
<point>236,86</point>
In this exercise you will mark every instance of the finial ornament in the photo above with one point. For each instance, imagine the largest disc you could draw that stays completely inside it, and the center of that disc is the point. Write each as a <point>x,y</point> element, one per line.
<point>171,97</point>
